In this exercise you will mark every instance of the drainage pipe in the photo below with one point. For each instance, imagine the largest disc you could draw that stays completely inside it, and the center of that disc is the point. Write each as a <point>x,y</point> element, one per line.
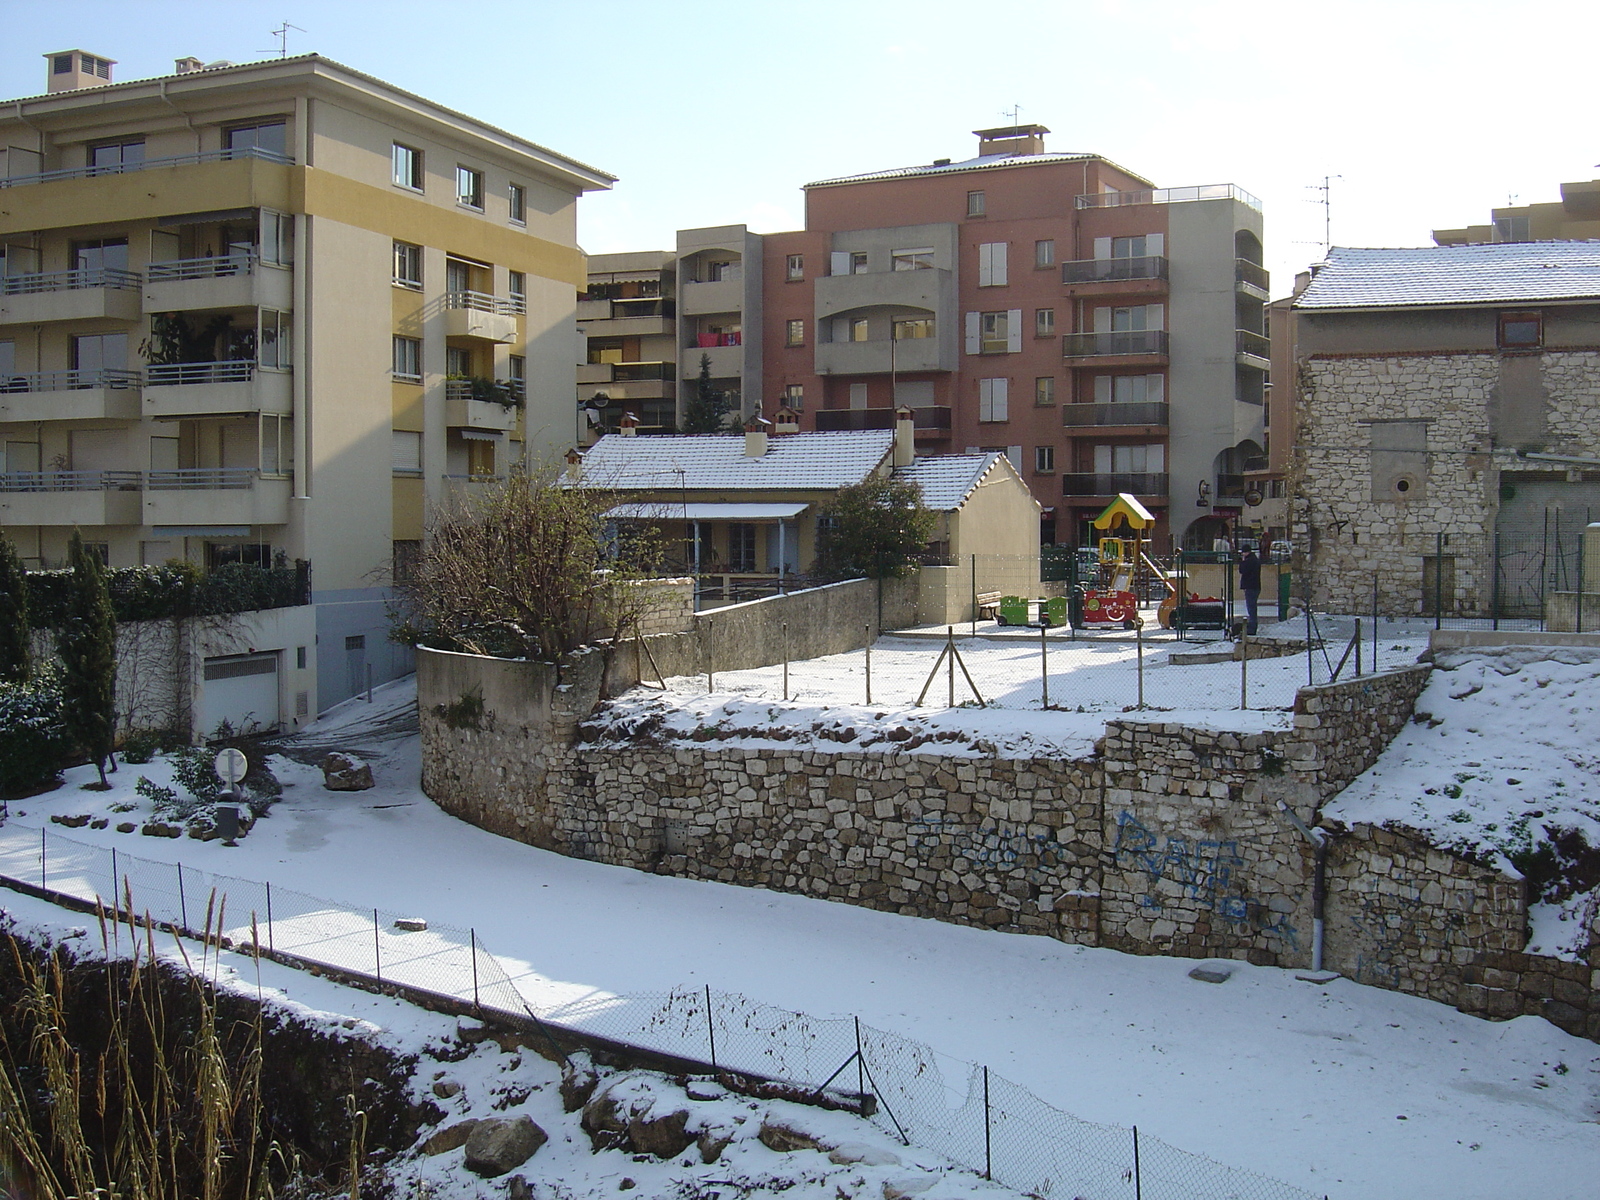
<point>1320,839</point>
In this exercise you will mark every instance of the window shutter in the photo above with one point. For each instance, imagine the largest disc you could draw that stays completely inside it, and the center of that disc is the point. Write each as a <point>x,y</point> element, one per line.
<point>1155,244</point>
<point>1102,389</point>
<point>1014,453</point>
<point>985,268</point>
<point>997,264</point>
<point>1013,330</point>
<point>1154,315</point>
<point>1102,247</point>
<point>407,451</point>
<point>841,329</point>
<point>1155,387</point>
<point>1102,320</point>
<point>1002,409</point>
<point>840,263</point>
<point>1102,460</point>
<point>974,333</point>
<point>1154,455</point>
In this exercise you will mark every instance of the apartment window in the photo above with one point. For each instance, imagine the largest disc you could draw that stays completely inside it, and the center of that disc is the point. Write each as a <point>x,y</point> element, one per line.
<point>858,329</point>
<point>1513,229</point>
<point>1044,460</point>
<point>912,329</point>
<point>1044,322</point>
<point>519,203</point>
<point>407,452</point>
<point>992,264</point>
<point>269,137</point>
<point>1044,253</point>
<point>275,348</point>
<point>975,204</point>
<point>858,262</point>
<point>794,396</point>
<point>408,166</point>
<point>1521,331</point>
<point>919,258</point>
<point>794,267</point>
<point>994,332</point>
<point>277,448</point>
<point>858,395</point>
<point>1044,390</point>
<point>794,333</point>
<point>1129,247</point>
<point>469,188</point>
<point>405,558</point>
<point>741,546</point>
<point>408,265</point>
<point>1129,389</point>
<point>517,287</point>
<point>1134,460</point>
<point>993,401</point>
<point>277,238</point>
<point>101,551</point>
<point>117,156</point>
<point>408,359</point>
<point>517,375</point>
<point>98,254</point>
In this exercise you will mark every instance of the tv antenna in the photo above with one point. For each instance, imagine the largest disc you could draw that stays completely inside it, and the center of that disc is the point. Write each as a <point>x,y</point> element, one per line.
<point>282,34</point>
<point>1326,200</point>
<point>1015,113</point>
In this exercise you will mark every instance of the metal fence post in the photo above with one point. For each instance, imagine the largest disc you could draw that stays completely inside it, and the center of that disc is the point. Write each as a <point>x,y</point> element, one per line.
<point>114,888</point>
<point>183,903</point>
<point>42,850</point>
<point>1438,580</point>
<point>1311,660</point>
<point>1138,638</point>
<point>1357,640</point>
<point>974,595</point>
<point>1374,622</point>
<point>783,632</point>
<point>1244,669</point>
<point>711,1028</point>
<point>1577,626</point>
<point>377,957</point>
<point>1044,666</point>
<point>1138,1181</point>
<point>950,644</point>
<point>271,949</point>
<point>1494,584</point>
<point>867,631</point>
<point>861,1064</point>
<point>710,681</point>
<point>988,1154</point>
<point>473,934</point>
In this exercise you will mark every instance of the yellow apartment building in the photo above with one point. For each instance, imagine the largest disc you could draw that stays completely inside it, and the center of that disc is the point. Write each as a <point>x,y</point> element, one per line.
<point>274,309</point>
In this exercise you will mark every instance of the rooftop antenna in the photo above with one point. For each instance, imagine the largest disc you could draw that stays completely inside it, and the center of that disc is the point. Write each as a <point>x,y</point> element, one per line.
<point>282,34</point>
<point>1015,113</point>
<point>1326,200</point>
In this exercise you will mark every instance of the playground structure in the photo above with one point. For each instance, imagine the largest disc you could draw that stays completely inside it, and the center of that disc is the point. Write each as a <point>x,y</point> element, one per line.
<point>1112,596</point>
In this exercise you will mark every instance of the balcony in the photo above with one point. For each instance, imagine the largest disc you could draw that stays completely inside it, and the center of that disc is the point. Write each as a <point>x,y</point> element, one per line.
<point>727,362</point>
<point>215,496</point>
<point>1252,349</point>
<point>1230,491</point>
<point>929,423</point>
<point>875,358</point>
<point>101,294</point>
<point>149,164</point>
<point>1252,279</point>
<point>100,395</point>
<point>1115,276</point>
<point>1137,345</point>
<point>69,498</point>
<point>645,316</point>
<point>717,296</point>
<point>229,281</point>
<point>1204,191</point>
<point>1090,484</point>
<point>929,291</point>
<point>1127,415</point>
<point>462,410</point>
<point>214,388</point>
<point>481,316</point>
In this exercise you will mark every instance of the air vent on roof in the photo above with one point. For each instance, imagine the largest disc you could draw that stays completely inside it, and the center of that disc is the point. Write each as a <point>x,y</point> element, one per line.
<point>71,70</point>
<point>184,66</point>
<point>941,162</point>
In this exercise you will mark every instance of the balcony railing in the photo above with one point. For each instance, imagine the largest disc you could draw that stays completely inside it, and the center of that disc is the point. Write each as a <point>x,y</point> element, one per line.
<point>1135,341</point>
<point>642,306</point>
<point>853,420</point>
<point>66,381</point>
<point>205,372</point>
<point>1204,191</point>
<point>1100,270</point>
<point>463,389</point>
<point>505,306</point>
<point>1095,484</point>
<point>1133,412</point>
<point>202,479</point>
<point>1245,271</point>
<point>201,268</point>
<point>1252,343</point>
<point>633,372</point>
<point>69,281</point>
<point>149,164</point>
<point>69,481</point>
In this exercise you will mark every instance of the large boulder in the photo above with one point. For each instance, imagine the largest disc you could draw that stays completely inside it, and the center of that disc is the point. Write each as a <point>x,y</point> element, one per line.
<point>501,1144</point>
<point>345,773</point>
<point>661,1134</point>
<point>785,1138</point>
<point>451,1137</point>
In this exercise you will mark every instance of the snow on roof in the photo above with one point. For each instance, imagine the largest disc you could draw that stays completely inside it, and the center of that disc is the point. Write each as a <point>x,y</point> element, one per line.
<point>950,168</point>
<point>669,510</point>
<point>793,460</point>
<point>1517,272</point>
<point>948,479</point>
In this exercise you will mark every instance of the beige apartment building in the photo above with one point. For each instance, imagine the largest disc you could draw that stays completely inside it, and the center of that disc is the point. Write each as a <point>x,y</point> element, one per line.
<point>1575,217</point>
<point>627,316</point>
<point>278,308</point>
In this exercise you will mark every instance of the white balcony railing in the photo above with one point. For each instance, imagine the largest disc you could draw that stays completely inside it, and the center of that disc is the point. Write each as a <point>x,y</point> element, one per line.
<point>169,374</point>
<point>68,381</point>
<point>201,479</point>
<point>149,164</point>
<point>508,306</point>
<point>69,281</point>
<point>202,268</point>
<point>69,481</point>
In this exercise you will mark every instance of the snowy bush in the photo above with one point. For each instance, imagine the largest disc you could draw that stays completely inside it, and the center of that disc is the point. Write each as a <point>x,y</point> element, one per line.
<point>33,736</point>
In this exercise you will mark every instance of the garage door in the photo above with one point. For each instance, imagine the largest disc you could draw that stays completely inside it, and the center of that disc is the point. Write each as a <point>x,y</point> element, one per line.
<point>241,689</point>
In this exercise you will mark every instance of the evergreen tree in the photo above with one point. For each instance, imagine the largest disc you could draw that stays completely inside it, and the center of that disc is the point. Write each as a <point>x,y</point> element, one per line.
<point>16,655</point>
<point>87,643</point>
<point>876,528</point>
<point>707,409</point>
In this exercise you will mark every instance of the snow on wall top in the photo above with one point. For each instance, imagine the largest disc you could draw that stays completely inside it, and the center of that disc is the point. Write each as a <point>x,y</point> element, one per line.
<point>1430,275</point>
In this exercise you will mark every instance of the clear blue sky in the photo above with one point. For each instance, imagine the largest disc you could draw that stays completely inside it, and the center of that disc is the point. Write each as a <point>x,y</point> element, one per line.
<point>717,112</point>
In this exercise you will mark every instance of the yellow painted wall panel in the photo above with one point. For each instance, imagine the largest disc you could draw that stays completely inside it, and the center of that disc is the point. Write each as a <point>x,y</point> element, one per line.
<point>408,407</point>
<point>148,194</point>
<point>408,504</point>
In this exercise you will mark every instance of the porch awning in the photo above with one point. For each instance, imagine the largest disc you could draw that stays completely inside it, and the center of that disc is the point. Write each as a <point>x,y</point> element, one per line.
<point>696,511</point>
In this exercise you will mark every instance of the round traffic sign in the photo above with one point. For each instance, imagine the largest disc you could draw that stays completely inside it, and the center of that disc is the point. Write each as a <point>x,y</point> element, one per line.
<point>232,765</point>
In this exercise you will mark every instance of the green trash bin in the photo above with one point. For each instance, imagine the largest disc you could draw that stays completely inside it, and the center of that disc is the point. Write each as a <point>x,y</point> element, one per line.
<point>1013,610</point>
<point>1055,611</point>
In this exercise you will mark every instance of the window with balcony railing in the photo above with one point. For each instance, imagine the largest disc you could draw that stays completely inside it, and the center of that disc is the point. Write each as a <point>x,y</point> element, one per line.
<point>1101,270</point>
<point>1128,342</point>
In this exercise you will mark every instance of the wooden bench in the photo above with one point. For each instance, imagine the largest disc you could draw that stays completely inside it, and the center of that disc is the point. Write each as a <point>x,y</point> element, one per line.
<point>988,605</point>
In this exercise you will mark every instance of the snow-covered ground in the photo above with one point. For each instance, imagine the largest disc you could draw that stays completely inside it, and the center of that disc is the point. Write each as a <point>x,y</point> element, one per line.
<point>1344,1090</point>
<point>1504,753</point>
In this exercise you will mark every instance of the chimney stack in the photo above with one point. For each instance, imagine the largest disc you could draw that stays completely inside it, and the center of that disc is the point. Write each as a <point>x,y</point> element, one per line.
<point>628,426</point>
<point>1013,140</point>
<point>786,421</point>
<point>70,70</point>
<point>905,437</point>
<point>755,436</point>
<point>185,66</point>
<point>574,465</point>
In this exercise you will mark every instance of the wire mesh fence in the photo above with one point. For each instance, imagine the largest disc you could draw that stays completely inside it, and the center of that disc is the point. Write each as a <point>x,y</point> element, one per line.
<point>960,1110</point>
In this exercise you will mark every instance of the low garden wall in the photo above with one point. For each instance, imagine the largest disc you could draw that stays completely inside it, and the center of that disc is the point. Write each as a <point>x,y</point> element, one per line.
<point>1169,840</point>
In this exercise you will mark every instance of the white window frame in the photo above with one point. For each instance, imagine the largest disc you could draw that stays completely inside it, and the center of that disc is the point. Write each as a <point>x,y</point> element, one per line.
<point>794,396</point>
<point>406,256</point>
<point>405,455</point>
<point>994,404</point>
<point>1044,391</point>
<point>918,258</point>
<point>412,159</point>
<point>517,203</point>
<point>794,267</point>
<point>274,329</point>
<point>992,264</point>
<point>469,197</point>
<point>407,362</point>
<point>1044,460</point>
<point>1044,322</point>
<point>794,332</point>
<point>1044,252</point>
<point>277,239</point>
<point>977,204</point>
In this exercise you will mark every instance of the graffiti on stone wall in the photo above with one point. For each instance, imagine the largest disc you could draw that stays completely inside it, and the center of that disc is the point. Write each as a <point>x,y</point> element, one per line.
<point>995,846</point>
<point>1203,869</point>
<point>1390,930</point>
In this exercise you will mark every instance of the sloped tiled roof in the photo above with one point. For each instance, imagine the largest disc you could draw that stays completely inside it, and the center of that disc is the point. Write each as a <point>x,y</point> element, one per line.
<point>948,479</point>
<point>1514,272</point>
<point>698,461</point>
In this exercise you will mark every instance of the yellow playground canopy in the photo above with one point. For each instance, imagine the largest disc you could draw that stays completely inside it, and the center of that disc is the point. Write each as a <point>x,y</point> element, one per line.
<point>1125,508</point>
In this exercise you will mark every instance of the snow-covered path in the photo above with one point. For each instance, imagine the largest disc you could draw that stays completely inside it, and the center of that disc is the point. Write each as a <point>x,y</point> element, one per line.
<point>1343,1090</point>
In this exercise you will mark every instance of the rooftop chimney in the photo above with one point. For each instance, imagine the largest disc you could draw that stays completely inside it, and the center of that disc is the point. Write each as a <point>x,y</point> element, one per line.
<point>183,66</point>
<point>1011,139</point>
<point>755,436</point>
<point>628,426</point>
<point>574,465</point>
<point>69,70</point>
<point>905,437</point>
<point>786,421</point>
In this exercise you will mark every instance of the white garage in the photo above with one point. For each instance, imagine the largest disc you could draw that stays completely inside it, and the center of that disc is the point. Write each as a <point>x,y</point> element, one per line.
<point>241,689</point>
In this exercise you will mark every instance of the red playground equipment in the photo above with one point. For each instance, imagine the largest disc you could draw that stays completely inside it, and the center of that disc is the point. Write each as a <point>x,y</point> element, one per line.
<point>1113,597</point>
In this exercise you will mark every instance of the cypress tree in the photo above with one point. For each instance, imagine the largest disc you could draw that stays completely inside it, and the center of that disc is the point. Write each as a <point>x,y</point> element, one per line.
<point>16,652</point>
<point>707,409</point>
<point>87,643</point>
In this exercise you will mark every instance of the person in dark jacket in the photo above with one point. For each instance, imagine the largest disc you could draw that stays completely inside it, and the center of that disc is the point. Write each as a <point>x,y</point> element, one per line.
<point>1250,585</point>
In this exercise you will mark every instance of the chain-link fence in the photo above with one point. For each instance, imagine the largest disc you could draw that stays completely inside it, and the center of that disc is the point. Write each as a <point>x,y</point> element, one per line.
<point>960,1110</point>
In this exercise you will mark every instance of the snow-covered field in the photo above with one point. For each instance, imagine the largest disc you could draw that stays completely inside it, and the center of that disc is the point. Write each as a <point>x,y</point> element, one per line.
<point>1344,1090</point>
